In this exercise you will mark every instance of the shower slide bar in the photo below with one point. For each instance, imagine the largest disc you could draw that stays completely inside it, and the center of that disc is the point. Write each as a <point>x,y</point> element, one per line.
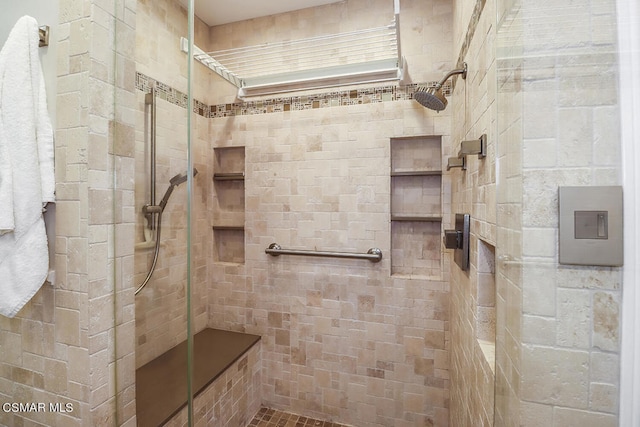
<point>151,211</point>
<point>373,254</point>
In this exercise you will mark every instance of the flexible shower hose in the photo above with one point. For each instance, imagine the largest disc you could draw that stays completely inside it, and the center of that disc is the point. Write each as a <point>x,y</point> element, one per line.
<point>155,254</point>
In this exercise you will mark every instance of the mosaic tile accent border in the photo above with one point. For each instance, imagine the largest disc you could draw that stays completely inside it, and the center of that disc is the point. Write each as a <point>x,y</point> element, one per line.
<point>169,94</point>
<point>273,418</point>
<point>471,29</point>
<point>322,100</point>
<point>292,103</point>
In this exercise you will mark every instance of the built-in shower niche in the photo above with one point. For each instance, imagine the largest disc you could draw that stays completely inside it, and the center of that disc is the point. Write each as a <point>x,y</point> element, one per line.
<point>229,210</point>
<point>486,301</point>
<point>416,206</point>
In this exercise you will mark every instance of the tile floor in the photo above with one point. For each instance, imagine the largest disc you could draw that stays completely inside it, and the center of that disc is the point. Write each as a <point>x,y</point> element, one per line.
<point>273,418</point>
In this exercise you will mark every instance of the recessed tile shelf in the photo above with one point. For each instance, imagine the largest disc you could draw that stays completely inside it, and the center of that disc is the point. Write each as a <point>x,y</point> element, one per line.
<point>425,218</point>
<point>229,208</point>
<point>417,173</point>
<point>415,154</point>
<point>416,195</point>
<point>228,245</point>
<point>233,176</point>
<point>416,206</point>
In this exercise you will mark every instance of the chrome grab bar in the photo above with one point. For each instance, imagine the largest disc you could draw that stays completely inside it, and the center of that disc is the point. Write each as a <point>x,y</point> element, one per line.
<point>373,254</point>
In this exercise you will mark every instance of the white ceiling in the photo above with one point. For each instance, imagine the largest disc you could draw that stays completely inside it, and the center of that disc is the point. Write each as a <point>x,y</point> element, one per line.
<point>217,12</point>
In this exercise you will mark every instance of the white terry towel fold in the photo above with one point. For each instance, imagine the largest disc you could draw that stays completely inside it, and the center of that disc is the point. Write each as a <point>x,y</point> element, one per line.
<point>7,223</point>
<point>26,168</point>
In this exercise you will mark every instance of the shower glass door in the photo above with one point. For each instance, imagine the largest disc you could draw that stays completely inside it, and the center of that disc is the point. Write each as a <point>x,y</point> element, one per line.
<point>558,125</point>
<point>164,189</point>
<point>509,60</point>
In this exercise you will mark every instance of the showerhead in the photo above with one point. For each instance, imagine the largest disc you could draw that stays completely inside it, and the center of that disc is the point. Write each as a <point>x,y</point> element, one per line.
<point>178,179</point>
<point>173,183</point>
<point>181,178</point>
<point>432,97</point>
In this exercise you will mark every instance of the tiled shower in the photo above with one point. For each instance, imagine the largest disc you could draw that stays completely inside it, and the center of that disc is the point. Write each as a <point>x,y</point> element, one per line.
<point>316,175</point>
<point>411,340</point>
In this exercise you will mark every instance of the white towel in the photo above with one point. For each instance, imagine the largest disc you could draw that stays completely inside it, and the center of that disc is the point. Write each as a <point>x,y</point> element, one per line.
<point>26,168</point>
<point>7,223</point>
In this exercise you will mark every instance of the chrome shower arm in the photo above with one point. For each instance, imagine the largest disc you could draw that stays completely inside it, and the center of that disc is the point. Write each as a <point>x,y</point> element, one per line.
<point>433,97</point>
<point>462,71</point>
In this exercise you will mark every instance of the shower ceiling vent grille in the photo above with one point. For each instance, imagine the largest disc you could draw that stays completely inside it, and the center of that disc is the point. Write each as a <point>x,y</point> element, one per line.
<point>365,56</point>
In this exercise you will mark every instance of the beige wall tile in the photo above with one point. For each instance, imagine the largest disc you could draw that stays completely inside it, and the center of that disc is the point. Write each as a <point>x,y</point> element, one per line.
<point>565,416</point>
<point>556,376</point>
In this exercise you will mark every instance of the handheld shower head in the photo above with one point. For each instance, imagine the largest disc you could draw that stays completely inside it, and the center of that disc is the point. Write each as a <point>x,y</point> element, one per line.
<point>432,97</point>
<point>173,183</point>
<point>181,178</point>
<point>178,179</point>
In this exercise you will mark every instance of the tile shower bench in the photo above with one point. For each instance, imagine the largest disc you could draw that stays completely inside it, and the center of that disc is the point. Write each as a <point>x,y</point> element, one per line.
<point>222,360</point>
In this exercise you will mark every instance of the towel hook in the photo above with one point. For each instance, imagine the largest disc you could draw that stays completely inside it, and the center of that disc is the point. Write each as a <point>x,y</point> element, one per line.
<point>43,33</point>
